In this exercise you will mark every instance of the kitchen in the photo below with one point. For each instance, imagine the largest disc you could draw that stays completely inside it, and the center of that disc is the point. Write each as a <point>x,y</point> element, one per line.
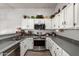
<point>39,29</point>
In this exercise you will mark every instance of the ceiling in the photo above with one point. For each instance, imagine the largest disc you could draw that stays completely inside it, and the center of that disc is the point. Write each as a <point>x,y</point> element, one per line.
<point>27,5</point>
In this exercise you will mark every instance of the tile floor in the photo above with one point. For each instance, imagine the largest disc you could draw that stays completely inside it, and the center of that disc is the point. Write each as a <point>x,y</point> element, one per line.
<point>38,53</point>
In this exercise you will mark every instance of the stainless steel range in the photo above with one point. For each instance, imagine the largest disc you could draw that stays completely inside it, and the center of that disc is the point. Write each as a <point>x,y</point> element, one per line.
<point>39,43</point>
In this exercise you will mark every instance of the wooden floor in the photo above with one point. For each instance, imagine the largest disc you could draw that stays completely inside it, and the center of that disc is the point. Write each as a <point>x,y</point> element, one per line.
<point>38,53</point>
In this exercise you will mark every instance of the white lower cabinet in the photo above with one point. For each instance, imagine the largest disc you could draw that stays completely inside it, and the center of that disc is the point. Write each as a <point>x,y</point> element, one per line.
<point>25,45</point>
<point>47,44</point>
<point>58,50</point>
<point>23,48</point>
<point>55,49</point>
<point>29,43</point>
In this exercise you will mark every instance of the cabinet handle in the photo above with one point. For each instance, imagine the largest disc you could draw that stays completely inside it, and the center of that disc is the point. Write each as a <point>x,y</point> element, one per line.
<point>58,26</point>
<point>54,53</point>
<point>54,25</point>
<point>22,42</point>
<point>24,46</point>
<point>57,48</point>
<point>64,22</point>
<point>74,24</point>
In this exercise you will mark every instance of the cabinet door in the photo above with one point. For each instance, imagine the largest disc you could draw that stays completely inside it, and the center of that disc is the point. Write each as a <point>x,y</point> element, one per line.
<point>22,49</point>
<point>61,19</point>
<point>77,15</point>
<point>39,21</point>
<point>57,18</point>
<point>29,43</point>
<point>47,44</point>
<point>69,18</point>
<point>48,23</point>
<point>42,21</point>
<point>24,24</point>
<point>50,45</point>
<point>53,23</point>
<point>30,23</point>
<point>58,50</point>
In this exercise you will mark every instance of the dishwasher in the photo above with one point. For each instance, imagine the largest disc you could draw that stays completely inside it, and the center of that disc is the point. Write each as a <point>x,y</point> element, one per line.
<point>13,51</point>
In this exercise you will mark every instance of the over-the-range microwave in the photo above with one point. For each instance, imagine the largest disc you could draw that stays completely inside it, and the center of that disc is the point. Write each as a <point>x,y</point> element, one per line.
<point>39,26</point>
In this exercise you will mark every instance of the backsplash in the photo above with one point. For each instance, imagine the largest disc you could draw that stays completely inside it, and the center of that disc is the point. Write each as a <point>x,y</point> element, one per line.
<point>73,34</point>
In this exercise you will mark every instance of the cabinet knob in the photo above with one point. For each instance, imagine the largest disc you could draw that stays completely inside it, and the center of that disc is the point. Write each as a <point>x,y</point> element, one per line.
<point>64,22</point>
<point>58,26</point>
<point>54,53</point>
<point>57,48</point>
<point>54,25</point>
<point>74,24</point>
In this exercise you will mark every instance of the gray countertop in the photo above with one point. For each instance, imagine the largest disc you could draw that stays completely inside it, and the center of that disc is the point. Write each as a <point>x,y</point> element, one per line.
<point>6,36</point>
<point>6,44</point>
<point>69,47</point>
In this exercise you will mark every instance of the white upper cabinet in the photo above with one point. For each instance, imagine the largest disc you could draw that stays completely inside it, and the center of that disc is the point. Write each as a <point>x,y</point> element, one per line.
<point>57,21</point>
<point>39,21</point>
<point>61,19</point>
<point>48,24</point>
<point>53,23</point>
<point>24,23</point>
<point>28,23</point>
<point>69,17</point>
<point>65,19</point>
<point>77,15</point>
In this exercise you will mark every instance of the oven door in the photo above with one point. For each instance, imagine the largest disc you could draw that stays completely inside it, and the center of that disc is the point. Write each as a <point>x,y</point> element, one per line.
<point>39,45</point>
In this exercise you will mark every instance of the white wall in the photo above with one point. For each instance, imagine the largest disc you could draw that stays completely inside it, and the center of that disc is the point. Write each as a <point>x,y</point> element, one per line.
<point>59,6</point>
<point>37,11</point>
<point>73,34</point>
<point>10,19</point>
